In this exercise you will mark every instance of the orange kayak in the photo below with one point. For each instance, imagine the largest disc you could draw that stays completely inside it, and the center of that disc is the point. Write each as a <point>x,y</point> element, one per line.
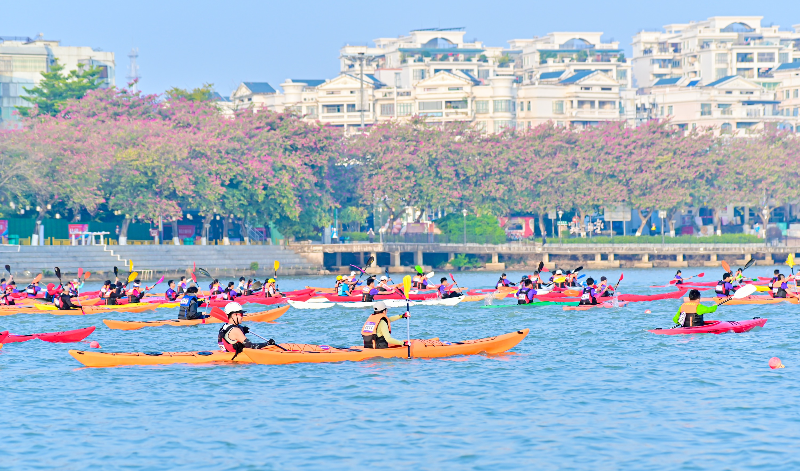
<point>297,353</point>
<point>101,360</point>
<point>265,316</point>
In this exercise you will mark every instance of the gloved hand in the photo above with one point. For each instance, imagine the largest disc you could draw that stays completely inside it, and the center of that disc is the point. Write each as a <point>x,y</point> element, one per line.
<point>405,315</point>
<point>405,343</point>
<point>245,329</point>
<point>271,342</point>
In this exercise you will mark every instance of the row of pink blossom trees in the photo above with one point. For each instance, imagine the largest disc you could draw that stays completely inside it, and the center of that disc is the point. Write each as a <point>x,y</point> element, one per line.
<point>137,157</point>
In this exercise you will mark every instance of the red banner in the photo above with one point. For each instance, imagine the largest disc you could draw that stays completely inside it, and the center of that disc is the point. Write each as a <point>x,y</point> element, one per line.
<point>3,227</point>
<point>77,229</point>
<point>185,231</point>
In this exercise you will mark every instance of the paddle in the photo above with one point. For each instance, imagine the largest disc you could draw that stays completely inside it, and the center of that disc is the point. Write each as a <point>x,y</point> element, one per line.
<point>204,272</point>
<point>621,276</point>
<point>699,275</point>
<point>740,293</point>
<point>456,283</point>
<point>790,262</point>
<point>37,278</point>
<point>80,273</point>
<point>131,264</point>
<point>256,286</point>
<point>726,267</point>
<point>370,260</point>
<point>8,269</point>
<point>116,272</point>
<point>419,269</point>
<point>406,290</point>
<point>275,267</point>
<point>157,282</point>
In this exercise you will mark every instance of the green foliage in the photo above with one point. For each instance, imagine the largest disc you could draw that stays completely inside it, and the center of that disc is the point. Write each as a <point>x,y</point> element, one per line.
<point>56,88</point>
<point>582,56</point>
<point>355,236</point>
<point>543,56</point>
<point>484,228</point>
<point>253,266</point>
<point>482,58</point>
<point>685,239</point>
<point>204,93</point>
<point>621,57</point>
<point>353,216</point>
<point>466,261</point>
<point>503,60</point>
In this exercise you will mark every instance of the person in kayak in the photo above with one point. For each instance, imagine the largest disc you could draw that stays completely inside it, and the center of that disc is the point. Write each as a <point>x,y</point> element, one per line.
<point>271,290</point>
<point>525,293</point>
<point>189,305</point>
<point>215,288</point>
<point>678,278</point>
<point>229,294</point>
<point>724,287</point>
<point>73,288</point>
<point>344,286</point>
<point>62,300</point>
<point>780,289</point>
<point>504,282</point>
<point>559,280</point>
<point>232,336</point>
<point>368,292</point>
<point>108,293</point>
<point>447,291</point>
<point>6,297</point>
<point>377,330</point>
<point>244,287</point>
<point>135,294</point>
<point>604,289</point>
<point>571,279</point>
<point>590,294</point>
<point>171,294</point>
<point>536,279</point>
<point>691,313</point>
<point>182,285</point>
<point>773,280</point>
<point>33,289</point>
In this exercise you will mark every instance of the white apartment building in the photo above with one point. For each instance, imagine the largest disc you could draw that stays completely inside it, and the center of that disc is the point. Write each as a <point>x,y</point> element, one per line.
<point>435,74</point>
<point>730,105</point>
<point>718,47</point>
<point>22,61</point>
<point>788,93</point>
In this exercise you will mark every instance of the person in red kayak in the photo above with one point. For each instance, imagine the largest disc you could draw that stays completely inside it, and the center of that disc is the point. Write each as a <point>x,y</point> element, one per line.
<point>724,287</point>
<point>678,278</point>
<point>271,289</point>
<point>377,330</point>
<point>232,336</point>
<point>6,298</point>
<point>33,289</point>
<point>691,313</point>
<point>368,292</point>
<point>171,294</point>
<point>604,289</point>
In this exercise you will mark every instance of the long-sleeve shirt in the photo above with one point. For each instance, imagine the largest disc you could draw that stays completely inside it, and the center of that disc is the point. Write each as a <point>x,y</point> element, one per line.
<point>701,310</point>
<point>383,331</point>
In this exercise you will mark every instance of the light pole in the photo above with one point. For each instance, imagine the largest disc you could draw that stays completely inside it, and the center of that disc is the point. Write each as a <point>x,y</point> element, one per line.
<point>560,213</point>
<point>464,212</point>
<point>765,213</point>
<point>361,58</point>
<point>662,215</point>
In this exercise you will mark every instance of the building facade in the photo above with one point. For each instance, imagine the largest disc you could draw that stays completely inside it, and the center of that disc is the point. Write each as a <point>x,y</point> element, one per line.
<point>788,94</point>
<point>22,61</point>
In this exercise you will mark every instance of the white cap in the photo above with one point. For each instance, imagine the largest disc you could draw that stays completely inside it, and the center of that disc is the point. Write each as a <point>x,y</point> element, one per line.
<point>383,278</point>
<point>352,273</point>
<point>379,306</point>
<point>233,307</point>
<point>558,272</point>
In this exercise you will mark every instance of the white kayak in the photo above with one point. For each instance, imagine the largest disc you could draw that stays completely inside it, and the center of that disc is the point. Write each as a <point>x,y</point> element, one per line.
<point>402,303</point>
<point>311,304</point>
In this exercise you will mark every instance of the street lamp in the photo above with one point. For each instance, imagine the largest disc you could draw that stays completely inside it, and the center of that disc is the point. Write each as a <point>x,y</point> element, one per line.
<point>560,213</point>
<point>662,215</point>
<point>464,212</point>
<point>765,213</point>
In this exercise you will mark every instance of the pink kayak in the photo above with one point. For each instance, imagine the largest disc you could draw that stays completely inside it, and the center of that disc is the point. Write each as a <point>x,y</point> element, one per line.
<point>715,327</point>
<point>67,336</point>
<point>3,336</point>
<point>586,307</point>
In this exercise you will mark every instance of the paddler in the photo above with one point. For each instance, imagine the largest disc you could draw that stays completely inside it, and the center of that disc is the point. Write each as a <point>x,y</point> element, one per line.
<point>135,294</point>
<point>345,286</point>
<point>232,336</point>
<point>447,291</point>
<point>6,298</point>
<point>678,278</point>
<point>189,304</point>
<point>182,285</point>
<point>368,292</point>
<point>739,277</point>
<point>773,280</point>
<point>33,289</point>
<point>419,282</point>
<point>780,287</point>
<point>377,330</point>
<point>230,293</point>
<point>383,286</point>
<point>559,280</point>
<point>61,299</point>
<point>504,282</point>
<point>691,313</point>
<point>724,287</point>
<point>604,289</point>
<point>108,293</point>
<point>73,288</point>
<point>244,287</point>
<point>171,294</point>
<point>590,294</point>
<point>536,279</point>
<point>271,290</point>
<point>215,288</point>
<point>525,293</point>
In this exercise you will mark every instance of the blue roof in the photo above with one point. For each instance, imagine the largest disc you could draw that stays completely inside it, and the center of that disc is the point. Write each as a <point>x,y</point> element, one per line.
<point>667,81</point>
<point>789,66</point>
<point>310,83</point>
<point>577,76</point>
<point>721,81</point>
<point>215,96</point>
<point>259,87</point>
<point>551,75</point>
<point>375,80</point>
<point>693,83</point>
<point>469,75</point>
<point>761,102</point>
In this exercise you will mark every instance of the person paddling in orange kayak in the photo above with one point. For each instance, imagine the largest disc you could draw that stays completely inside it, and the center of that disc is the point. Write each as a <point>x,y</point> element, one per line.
<point>691,313</point>
<point>780,288</point>
<point>189,304</point>
<point>232,336</point>
<point>377,330</point>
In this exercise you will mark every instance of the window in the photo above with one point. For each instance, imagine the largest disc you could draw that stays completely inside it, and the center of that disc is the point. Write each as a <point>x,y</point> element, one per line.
<point>419,74</point>
<point>332,108</point>
<point>454,89</point>
<point>586,89</point>
<point>311,110</point>
<point>456,105</point>
<point>351,107</point>
<point>796,93</point>
<point>783,57</point>
<point>482,106</point>
<point>705,109</point>
<point>764,72</point>
<point>387,109</point>
<point>676,64</point>
<point>796,112</point>
<point>405,109</point>
<point>333,92</point>
<point>605,89</point>
<point>431,89</point>
<point>766,57</point>
<point>726,128</point>
<point>661,111</point>
<point>480,126</point>
<point>786,94</point>
<point>558,107</point>
<point>622,74</point>
<point>529,103</point>
<point>744,57</point>
<point>745,73</point>
<point>522,106</point>
<point>607,105</point>
<point>430,106</point>
<point>586,104</point>
<point>503,125</point>
<point>669,110</point>
<point>694,126</point>
<point>721,58</point>
<point>725,109</point>
<point>503,106</point>
<point>719,73</point>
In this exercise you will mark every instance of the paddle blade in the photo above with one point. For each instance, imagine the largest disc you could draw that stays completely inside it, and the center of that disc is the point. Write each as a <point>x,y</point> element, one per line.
<point>37,279</point>
<point>672,282</point>
<point>219,314</point>
<point>386,270</point>
<point>429,275</point>
<point>582,276</point>
<point>579,269</point>
<point>87,275</point>
<point>133,276</point>
<point>80,273</point>
<point>131,264</point>
<point>451,277</point>
<point>789,260</point>
<point>159,281</point>
<point>204,272</point>
<point>370,261</point>
<point>358,268</point>
<point>194,278</point>
<point>58,273</point>
<point>116,271</point>
<point>406,286</point>
<point>726,267</point>
<point>276,265</point>
<point>8,269</point>
<point>194,266</point>
<point>621,276</point>
<point>419,269</point>
<point>745,291</point>
<point>540,267</point>
<point>700,275</point>
<point>256,286</point>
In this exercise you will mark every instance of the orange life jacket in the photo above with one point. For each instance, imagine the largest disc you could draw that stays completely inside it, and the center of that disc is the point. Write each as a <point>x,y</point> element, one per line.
<point>369,332</point>
<point>690,316</point>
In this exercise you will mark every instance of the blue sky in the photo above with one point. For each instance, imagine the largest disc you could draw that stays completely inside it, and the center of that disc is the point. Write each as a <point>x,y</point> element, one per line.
<point>185,44</point>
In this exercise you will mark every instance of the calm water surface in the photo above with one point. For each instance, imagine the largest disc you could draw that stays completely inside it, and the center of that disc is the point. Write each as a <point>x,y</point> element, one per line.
<point>585,390</point>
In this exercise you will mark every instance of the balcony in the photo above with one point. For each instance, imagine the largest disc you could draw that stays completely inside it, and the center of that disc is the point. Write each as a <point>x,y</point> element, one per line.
<point>594,113</point>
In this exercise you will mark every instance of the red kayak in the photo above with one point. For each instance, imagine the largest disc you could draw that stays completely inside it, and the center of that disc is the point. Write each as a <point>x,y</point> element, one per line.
<point>715,327</point>
<point>3,336</point>
<point>67,336</point>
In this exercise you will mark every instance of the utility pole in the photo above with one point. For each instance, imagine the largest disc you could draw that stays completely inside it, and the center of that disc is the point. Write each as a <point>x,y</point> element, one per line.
<point>361,91</point>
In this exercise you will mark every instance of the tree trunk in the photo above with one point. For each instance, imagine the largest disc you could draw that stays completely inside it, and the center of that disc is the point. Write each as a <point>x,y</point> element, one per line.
<point>123,231</point>
<point>206,229</point>
<point>225,228</point>
<point>243,231</point>
<point>645,220</point>
<point>175,239</point>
